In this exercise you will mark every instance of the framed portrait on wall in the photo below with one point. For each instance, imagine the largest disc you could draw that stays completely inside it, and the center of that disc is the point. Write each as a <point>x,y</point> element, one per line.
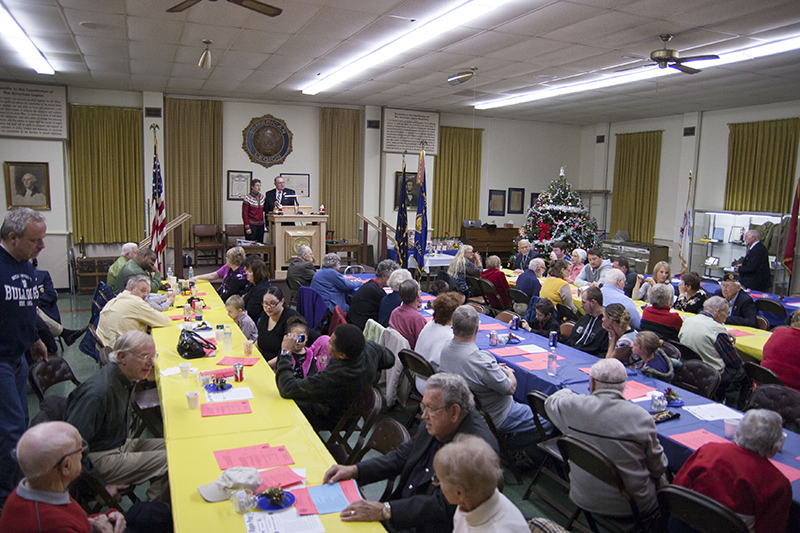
<point>410,189</point>
<point>299,183</point>
<point>516,197</point>
<point>238,184</point>
<point>497,203</point>
<point>27,185</point>
<point>534,197</point>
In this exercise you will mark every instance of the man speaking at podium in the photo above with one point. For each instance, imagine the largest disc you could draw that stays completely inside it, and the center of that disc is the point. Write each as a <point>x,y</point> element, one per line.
<point>280,195</point>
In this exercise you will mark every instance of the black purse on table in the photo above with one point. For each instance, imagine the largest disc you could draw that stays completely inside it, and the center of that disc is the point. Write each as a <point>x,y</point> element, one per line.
<point>193,346</point>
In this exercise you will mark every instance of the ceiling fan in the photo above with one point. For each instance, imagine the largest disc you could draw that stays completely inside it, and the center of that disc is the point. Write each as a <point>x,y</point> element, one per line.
<point>669,58</point>
<point>264,9</point>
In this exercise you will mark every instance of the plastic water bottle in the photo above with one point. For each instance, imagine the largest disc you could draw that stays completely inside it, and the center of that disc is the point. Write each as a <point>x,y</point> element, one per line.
<point>227,338</point>
<point>191,272</point>
<point>551,356</point>
<point>169,272</point>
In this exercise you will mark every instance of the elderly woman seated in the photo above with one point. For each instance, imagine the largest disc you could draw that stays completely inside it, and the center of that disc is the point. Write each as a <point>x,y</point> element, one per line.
<point>493,275</point>
<point>232,273</point>
<point>658,316</point>
<point>392,300</point>
<point>690,295</point>
<point>332,285</point>
<point>578,262</point>
<point>468,471</point>
<point>650,358</point>
<point>555,287</point>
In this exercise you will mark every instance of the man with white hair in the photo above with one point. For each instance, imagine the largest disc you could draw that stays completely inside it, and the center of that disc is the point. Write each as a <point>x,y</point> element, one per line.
<point>21,239</point>
<point>614,293</point>
<point>41,501</point>
<point>301,269</point>
<point>623,431</point>
<point>129,251</point>
<point>528,282</point>
<point>129,311</point>
<point>525,255</point>
<point>100,408</point>
<point>741,307</point>
<point>740,476</point>
<point>706,334</point>
<point>754,270</point>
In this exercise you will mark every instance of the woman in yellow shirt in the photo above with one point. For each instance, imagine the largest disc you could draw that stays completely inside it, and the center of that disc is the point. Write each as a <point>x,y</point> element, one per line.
<point>555,286</point>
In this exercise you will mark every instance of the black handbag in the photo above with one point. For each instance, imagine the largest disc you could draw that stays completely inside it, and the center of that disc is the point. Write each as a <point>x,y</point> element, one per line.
<point>193,346</point>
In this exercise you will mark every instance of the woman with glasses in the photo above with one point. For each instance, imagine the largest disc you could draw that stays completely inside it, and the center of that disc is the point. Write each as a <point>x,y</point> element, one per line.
<point>272,323</point>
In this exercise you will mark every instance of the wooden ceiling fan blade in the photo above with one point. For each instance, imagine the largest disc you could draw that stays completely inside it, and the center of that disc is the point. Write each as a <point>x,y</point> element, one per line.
<point>183,6</point>
<point>264,9</point>
<point>684,68</point>
<point>698,58</point>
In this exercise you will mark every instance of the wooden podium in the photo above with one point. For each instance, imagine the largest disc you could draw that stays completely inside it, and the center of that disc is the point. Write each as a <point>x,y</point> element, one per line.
<point>287,239</point>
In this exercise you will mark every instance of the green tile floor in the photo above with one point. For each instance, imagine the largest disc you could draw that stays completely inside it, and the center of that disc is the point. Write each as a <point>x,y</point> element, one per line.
<point>75,314</point>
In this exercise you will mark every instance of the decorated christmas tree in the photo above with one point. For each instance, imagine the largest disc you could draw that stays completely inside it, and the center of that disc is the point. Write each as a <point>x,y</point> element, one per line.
<point>559,215</point>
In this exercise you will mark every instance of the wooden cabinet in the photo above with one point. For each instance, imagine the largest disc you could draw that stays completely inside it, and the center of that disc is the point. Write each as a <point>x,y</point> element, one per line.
<point>642,256</point>
<point>498,241</point>
<point>91,271</point>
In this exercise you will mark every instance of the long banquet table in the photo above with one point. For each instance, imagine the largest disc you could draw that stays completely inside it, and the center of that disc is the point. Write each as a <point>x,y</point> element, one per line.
<point>192,439</point>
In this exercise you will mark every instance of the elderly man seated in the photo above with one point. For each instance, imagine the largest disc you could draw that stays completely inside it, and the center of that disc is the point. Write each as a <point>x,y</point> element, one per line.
<point>417,502</point>
<point>741,477</point>
<point>706,334</point>
<point>623,431</point>
<point>366,302</point>
<point>528,281</point>
<point>129,251</point>
<point>614,293</point>
<point>41,501</point>
<point>301,269</point>
<point>468,470</point>
<point>406,318</point>
<point>129,311</point>
<point>332,285</point>
<point>492,384</point>
<point>141,264</point>
<point>741,307</point>
<point>100,408</point>
<point>524,256</point>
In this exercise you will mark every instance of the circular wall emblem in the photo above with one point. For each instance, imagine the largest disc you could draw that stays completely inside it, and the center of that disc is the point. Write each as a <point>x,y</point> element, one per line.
<point>267,140</point>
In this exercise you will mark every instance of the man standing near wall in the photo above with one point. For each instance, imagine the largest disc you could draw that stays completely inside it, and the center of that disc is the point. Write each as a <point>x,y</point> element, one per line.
<point>21,239</point>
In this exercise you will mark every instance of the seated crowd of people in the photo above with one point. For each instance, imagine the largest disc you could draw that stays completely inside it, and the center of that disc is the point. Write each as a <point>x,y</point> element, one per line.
<point>449,475</point>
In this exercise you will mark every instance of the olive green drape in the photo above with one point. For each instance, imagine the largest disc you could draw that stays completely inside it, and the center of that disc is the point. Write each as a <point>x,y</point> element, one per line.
<point>105,165</point>
<point>457,179</point>
<point>762,158</point>
<point>193,155</point>
<point>340,169</point>
<point>635,194</point>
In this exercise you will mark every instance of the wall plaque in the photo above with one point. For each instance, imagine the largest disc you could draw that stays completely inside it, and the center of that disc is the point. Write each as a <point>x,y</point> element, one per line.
<point>267,140</point>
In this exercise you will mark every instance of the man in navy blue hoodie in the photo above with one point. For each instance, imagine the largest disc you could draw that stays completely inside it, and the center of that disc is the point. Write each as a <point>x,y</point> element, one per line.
<point>21,239</point>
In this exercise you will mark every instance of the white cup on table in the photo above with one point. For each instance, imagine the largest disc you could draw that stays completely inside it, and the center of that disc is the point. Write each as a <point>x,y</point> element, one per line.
<point>186,369</point>
<point>247,347</point>
<point>193,397</point>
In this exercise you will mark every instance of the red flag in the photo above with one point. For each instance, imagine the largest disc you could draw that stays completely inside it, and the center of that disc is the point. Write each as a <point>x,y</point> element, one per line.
<point>791,240</point>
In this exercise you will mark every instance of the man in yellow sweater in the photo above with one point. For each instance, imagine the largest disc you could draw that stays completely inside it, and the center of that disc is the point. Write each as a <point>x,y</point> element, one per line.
<point>129,311</point>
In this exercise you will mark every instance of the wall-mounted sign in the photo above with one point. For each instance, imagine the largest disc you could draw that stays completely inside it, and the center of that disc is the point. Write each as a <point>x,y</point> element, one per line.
<point>28,110</point>
<point>407,130</point>
<point>267,140</point>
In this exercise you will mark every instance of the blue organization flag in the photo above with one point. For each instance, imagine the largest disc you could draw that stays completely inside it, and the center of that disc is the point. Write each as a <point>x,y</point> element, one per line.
<point>401,233</point>
<point>421,225</point>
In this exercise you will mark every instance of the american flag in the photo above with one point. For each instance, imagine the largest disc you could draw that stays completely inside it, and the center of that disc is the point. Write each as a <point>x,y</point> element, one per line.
<point>158,238</point>
<point>685,233</point>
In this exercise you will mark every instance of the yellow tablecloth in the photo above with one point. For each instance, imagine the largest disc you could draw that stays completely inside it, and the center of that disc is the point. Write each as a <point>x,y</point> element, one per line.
<point>192,439</point>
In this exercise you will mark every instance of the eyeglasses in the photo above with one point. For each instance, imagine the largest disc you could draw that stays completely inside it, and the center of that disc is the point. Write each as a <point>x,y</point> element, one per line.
<point>429,410</point>
<point>83,448</point>
<point>272,306</point>
<point>151,358</point>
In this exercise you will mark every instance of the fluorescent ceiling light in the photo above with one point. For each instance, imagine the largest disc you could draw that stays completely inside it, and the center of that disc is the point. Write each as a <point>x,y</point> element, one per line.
<point>457,17</point>
<point>755,52</point>
<point>14,35</point>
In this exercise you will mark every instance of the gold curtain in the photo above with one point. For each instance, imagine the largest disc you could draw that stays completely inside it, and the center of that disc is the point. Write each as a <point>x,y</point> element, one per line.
<point>635,194</point>
<point>340,169</point>
<point>105,164</point>
<point>193,155</point>
<point>457,179</point>
<point>762,157</point>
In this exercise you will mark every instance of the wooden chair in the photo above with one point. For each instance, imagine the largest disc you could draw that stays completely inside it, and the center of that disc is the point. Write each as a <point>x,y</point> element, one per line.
<point>232,232</point>
<point>762,323</point>
<point>697,511</point>
<point>478,307</point>
<point>207,239</point>
<point>686,352</point>
<point>387,436</point>
<point>506,316</point>
<point>766,305</point>
<point>45,374</point>
<point>593,461</point>
<point>565,330</point>
<point>92,495</point>
<point>782,400</point>
<point>414,365</point>
<point>697,377</point>
<point>360,416</point>
<point>146,410</point>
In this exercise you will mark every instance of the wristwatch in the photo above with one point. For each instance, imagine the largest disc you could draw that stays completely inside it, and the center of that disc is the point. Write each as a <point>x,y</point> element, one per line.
<point>387,511</point>
<point>285,352</point>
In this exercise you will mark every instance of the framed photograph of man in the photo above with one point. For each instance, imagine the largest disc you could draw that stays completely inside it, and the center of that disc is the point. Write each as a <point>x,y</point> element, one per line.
<point>410,189</point>
<point>27,185</point>
<point>515,199</point>
<point>238,184</point>
<point>497,203</point>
